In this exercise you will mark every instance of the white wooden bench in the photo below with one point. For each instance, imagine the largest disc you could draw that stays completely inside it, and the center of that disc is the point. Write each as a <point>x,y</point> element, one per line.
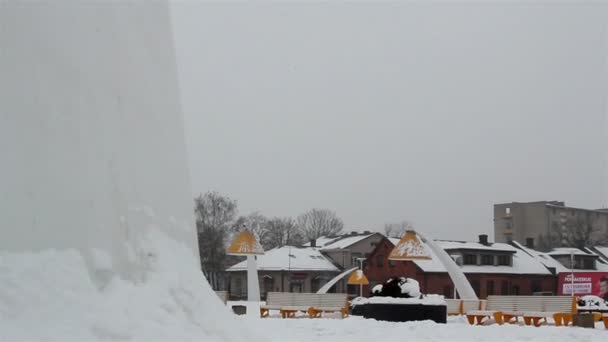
<point>454,306</point>
<point>314,304</point>
<point>461,306</point>
<point>533,309</point>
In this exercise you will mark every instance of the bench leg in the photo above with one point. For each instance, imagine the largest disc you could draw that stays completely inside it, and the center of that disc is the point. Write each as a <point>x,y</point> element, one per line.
<point>558,319</point>
<point>509,318</point>
<point>499,318</point>
<point>536,321</point>
<point>264,312</point>
<point>605,319</point>
<point>597,317</point>
<point>314,313</point>
<point>344,312</point>
<point>527,320</point>
<point>567,318</point>
<point>471,319</point>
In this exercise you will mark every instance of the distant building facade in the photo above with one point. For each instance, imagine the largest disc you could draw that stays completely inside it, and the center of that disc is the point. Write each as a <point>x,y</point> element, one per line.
<point>284,269</point>
<point>549,224</point>
<point>491,268</point>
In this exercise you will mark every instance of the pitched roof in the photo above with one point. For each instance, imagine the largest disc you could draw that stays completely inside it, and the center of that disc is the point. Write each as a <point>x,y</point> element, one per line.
<point>548,260</point>
<point>346,241</point>
<point>497,247</point>
<point>322,241</point>
<point>571,250</point>
<point>603,251</point>
<point>288,258</point>
<point>522,262</point>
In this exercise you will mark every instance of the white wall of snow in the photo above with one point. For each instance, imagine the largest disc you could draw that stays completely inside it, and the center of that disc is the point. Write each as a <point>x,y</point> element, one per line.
<point>97,238</point>
<point>91,134</point>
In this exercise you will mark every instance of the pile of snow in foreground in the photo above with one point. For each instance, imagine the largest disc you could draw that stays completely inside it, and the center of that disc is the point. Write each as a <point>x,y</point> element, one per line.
<point>360,329</point>
<point>53,296</point>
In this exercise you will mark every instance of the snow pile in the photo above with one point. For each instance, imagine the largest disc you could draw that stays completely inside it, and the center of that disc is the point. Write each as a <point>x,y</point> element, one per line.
<point>456,330</point>
<point>55,296</point>
<point>592,303</point>
<point>398,287</point>
<point>410,287</point>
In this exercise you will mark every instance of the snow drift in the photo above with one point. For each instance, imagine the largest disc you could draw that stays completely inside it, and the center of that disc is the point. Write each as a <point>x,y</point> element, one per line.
<point>96,224</point>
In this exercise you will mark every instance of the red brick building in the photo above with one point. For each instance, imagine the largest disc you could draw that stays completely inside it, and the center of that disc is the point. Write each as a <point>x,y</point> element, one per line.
<point>492,268</point>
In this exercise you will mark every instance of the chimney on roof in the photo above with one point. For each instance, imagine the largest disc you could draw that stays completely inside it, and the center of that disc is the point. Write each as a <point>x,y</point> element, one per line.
<point>353,233</point>
<point>530,243</point>
<point>313,242</point>
<point>483,239</point>
<point>367,232</point>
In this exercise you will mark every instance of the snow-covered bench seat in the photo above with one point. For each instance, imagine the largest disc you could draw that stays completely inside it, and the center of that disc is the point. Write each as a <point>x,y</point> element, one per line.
<point>289,303</point>
<point>533,309</point>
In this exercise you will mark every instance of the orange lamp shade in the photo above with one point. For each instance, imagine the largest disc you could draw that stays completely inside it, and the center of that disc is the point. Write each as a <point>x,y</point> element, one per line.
<point>245,243</point>
<point>358,278</point>
<point>409,248</point>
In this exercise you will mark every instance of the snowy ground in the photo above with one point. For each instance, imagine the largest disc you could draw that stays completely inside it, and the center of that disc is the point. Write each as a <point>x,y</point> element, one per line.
<point>55,296</point>
<point>360,329</point>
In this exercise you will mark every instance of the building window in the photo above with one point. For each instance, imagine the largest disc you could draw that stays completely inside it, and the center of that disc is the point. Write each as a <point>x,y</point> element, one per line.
<point>487,259</point>
<point>295,287</point>
<point>380,261</point>
<point>470,259</point>
<point>504,260</point>
<point>490,287</point>
<point>536,286</point>
<point>515,291</point>
<point>448,292</point>
<point>588,264</point>
<point>476,286</point>
<point>391,263</point>
<point>504,288</point>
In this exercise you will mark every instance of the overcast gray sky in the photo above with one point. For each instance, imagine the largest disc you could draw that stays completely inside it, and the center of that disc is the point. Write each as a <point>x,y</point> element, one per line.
<point>392,111</point>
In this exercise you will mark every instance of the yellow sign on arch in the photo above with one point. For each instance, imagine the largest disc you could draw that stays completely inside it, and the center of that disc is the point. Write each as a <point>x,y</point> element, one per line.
<point>245,243</point>
<point>409,248</point>
<point>358,278</point>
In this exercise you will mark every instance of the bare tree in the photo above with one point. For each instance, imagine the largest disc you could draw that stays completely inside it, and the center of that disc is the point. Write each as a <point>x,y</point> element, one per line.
<point>215,215</point>
<point>319,222</point>
<point>577,230</point>
<point>396,230</point>
<point>281,232</point>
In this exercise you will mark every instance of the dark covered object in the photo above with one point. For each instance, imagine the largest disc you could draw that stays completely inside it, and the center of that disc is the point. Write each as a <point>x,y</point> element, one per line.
<point>403,312</point>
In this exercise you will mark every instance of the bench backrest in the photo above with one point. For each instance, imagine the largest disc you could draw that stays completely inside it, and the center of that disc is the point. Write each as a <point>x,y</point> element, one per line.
<point>461,306</point>
<point>531,303</point>
<point>453,306</point>
<point>335,300</point>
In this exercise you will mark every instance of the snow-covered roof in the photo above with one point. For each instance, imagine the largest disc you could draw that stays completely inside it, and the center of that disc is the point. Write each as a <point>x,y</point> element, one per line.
<point>547,259</point>
<point>498,247</point>
<point>346,241</point>
<point>322,241</point>
<point>541,257</point>
<point>290,258</point>
<point>570,250</point>
<point>522,262</point>
<point>603,251</point>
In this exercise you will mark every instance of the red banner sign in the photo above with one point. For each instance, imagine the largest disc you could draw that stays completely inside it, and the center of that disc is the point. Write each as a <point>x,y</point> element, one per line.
<point>585,283</point>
